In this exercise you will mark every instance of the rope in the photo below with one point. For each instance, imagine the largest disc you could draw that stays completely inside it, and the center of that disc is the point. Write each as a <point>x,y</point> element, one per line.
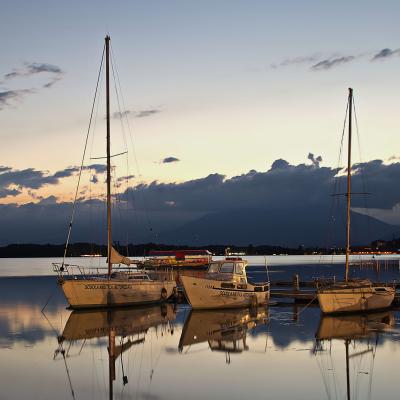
<point>47,302</point>
<point>83,159</point>
<point>363,176</point>
<point>114,64</point>
<point>336,188</point>
<point>69,377</point>
<point>307,305</point>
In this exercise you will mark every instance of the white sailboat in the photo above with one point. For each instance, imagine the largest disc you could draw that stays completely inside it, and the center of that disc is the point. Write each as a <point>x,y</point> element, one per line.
<point>84,287</point>
<point>353,295</point>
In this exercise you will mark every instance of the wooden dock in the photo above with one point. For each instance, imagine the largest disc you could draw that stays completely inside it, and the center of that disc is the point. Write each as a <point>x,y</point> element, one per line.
<point>306,296</point>
<point>306,291</point>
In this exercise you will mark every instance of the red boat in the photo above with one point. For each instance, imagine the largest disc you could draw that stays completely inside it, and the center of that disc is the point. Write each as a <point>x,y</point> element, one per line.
<point>178,258</point>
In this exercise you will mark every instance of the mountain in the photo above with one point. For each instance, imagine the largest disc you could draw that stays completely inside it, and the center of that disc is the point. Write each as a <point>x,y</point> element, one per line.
<point>291,228</point>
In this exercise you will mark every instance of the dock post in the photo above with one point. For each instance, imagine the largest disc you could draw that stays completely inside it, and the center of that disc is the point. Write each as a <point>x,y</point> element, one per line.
<point>296,283</point>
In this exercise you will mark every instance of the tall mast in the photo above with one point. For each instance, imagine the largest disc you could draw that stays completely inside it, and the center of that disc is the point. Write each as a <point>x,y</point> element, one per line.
<point>109,238</point>
<point>348,186</point>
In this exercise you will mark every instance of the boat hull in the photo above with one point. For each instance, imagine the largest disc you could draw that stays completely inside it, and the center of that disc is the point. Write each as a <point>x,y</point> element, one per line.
<point>356,299</point>
<point>204,293</point>
<point>87,293</point>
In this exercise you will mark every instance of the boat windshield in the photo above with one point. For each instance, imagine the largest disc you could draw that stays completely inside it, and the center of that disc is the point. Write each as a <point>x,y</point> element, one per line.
<point>227,267</point>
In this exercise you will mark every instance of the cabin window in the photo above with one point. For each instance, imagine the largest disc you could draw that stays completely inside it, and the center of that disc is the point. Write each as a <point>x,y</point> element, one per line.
<point>213,267</point>
<point>226,268</point>
<point>239,267</point>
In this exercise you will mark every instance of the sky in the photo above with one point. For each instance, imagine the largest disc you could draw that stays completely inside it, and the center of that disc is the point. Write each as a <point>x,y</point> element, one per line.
<point>209,87</point>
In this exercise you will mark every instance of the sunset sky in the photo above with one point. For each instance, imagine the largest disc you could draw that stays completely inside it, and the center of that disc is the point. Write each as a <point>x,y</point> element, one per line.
<point>213,87</point>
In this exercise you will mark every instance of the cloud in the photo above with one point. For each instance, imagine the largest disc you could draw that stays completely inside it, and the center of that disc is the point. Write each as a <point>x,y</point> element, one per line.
<point>296,61</point>
<point>147,113</point>
<point>7,97</point>
<point>332,62</point>
<point>125,178</point>
<point>4,192</point>
<point>279,164</point>
<point>67,172</point>
<point>315,161</point>
<point>48,200</point>
<point>287,204</point>
<point>136,114</point>
<point>32,69</point>
<point>12,181</point>
<point>4,169</point>
<point>385,53</point>
<point>27,178</point>
<point>168,160</point>
<point>98,168</point>
<point>122,114</point>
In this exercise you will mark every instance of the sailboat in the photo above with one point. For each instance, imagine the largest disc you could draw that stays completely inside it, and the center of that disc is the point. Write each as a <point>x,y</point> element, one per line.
<point>353,295</point>
<point>84,287</point>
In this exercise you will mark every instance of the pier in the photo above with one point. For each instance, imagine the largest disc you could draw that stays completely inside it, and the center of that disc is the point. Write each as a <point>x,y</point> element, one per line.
<point>305,291</point>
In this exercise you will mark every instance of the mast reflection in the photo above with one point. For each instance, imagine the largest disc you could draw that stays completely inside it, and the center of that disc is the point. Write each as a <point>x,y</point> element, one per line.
<point>355,331</point>
<point>128,325</point>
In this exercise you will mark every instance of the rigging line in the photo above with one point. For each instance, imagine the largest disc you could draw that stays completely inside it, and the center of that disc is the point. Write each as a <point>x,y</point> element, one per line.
<point>140,371</point>
<point>131,141</point>
<point>47,302</point>
<point>336,182</point>
<point>113,68</point>
<point>69,377</point>
<point>363,176</point>
<point>51,325</point>
<point>91,205</point>
<point>119,105</point>
<point>117,203</point>
<point>83,158</point>
<point>127,202</point>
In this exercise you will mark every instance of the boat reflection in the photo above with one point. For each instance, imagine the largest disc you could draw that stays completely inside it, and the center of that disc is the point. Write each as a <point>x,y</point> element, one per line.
<point>360,335</point>
<point>224,330</point>
<point>128,325</point>
<point>354,326</point>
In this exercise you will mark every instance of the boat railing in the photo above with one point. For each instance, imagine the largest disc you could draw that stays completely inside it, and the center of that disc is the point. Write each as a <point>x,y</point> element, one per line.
<point>74,271</point>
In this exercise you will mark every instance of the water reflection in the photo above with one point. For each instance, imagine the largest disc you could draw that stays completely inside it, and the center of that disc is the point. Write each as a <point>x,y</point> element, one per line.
<point>224,330</point>
<point>359,335</point>
<point>284,352</point>
<point>124,327</point>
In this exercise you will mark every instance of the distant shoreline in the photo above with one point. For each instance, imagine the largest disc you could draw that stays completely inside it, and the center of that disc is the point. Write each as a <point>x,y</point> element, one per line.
<point>141,250</point>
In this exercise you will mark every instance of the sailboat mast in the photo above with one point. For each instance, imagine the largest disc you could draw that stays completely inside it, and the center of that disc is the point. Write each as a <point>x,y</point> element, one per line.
<point>348,186</point>
<point>109,238</point>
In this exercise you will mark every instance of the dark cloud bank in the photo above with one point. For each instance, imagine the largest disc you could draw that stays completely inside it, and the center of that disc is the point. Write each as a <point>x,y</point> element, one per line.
<point>287,205</point>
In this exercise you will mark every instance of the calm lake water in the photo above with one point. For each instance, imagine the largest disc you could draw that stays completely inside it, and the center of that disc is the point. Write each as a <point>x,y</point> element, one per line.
<point>284,351</point>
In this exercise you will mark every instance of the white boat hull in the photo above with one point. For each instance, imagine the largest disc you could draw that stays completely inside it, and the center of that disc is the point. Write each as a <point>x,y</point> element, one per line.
<point>86,293</point>
<point>355,299</point>
<point>204,293</point>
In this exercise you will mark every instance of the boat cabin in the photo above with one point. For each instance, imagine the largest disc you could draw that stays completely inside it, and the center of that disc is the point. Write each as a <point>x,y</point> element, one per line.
<point>230,269</point>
